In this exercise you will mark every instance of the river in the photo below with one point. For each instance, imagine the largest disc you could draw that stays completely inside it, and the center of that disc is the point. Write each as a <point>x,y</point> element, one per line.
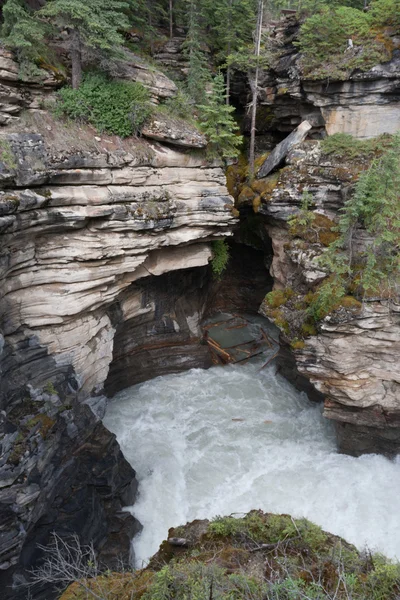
<point>236,438</point>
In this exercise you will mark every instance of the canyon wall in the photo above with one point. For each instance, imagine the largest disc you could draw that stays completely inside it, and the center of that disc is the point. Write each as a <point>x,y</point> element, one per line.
<point>352,357</point>
<point>364,104</point>
<point>104,252</point>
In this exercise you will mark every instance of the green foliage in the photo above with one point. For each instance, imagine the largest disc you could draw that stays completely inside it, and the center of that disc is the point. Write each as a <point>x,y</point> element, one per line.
<point>98,22</point>
<point>277,298</point>
<point>384,581</point>
<point>24,33</point>
<point>49,388</point>
<point>112,106</point>
<point>225,526</point>
<point>217,123</point>
<point>385,12</point>
<point>374,269</point>
<point>180,105</point>
<point>324,35</point>
<point>220,257</point>
<point>7,156</point>
<point>343,145</point>
<point>199,581</point>
<point>199,73</point>
<point>305,218</point>
<point>232,25</point>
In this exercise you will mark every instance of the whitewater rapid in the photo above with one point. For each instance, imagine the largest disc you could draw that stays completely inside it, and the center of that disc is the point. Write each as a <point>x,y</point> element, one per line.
<point>234,438</point>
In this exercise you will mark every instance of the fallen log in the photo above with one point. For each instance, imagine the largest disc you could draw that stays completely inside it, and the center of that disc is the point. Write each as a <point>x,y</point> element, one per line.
<point>282,150</point>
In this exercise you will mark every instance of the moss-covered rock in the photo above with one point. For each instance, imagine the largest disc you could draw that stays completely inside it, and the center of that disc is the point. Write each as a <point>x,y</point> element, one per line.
<point>255,557</point>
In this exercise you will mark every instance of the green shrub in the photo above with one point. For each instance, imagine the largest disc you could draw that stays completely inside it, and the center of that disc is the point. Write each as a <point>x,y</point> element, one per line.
<point>115,107</point>
<point>385,12</point>
<point>201,581</point>
<point>225,526</point>
<point>343,145</point>
<point>323,39</point>
<point>220,257</point>
<point>180,105</point>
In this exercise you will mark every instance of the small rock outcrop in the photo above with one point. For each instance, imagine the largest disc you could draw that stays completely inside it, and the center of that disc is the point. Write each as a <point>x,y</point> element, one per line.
<point>257,556</point>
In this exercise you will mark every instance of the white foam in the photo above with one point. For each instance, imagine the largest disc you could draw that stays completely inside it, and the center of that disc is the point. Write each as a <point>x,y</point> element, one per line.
<point>194,461</point>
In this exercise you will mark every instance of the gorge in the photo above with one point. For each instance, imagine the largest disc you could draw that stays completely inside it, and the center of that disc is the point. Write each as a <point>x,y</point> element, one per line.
<point>106,252</point>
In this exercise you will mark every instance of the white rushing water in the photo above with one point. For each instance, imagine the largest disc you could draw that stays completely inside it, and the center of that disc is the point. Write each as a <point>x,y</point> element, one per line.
<point>195,459</point>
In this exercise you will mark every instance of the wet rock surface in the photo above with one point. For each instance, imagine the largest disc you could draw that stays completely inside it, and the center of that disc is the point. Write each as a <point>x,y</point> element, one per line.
<point>61,471</point>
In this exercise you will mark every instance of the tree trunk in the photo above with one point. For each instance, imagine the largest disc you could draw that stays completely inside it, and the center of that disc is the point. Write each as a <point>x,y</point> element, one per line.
<point>171,21</point>
<point>228,83</point>
<point>255,89</point>
<point>76,59</point>
<point>228,70</point>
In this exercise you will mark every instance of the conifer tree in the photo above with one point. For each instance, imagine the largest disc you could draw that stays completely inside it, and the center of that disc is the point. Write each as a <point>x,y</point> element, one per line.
<point>234,22</point>
<point>21,30</point>
<point>198,74</point>
<point>218,124</point>
<point>254,87</point>
<point>91,23</point>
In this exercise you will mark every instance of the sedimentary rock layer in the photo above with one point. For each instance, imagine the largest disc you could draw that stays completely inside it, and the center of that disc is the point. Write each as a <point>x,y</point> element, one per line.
<point>99,265</point>
<point>353,359</point>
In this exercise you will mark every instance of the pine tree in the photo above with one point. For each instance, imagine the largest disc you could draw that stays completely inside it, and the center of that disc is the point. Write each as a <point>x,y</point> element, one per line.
<point>21,30</point>
<point>234,21</point>
<point>91,23</point>
<point>218,124</point>
<point>199,74</point>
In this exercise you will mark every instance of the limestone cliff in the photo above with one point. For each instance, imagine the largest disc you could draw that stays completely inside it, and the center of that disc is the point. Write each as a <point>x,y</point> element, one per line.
<point>104,248</point>
<point>365,104</point>
<point>352,357</point>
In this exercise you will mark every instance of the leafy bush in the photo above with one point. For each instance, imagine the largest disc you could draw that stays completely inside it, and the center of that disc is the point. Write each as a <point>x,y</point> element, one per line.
<point>220,257</point>
<point>385,12</point>
<point>116,107</point>
<point>199,581</point>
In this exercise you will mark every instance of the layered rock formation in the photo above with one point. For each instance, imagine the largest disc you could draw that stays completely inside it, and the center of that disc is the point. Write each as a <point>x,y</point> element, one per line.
<point>364,105</point>
<point>105,246</point>
<point>94,225</point>
<point>353,356</point>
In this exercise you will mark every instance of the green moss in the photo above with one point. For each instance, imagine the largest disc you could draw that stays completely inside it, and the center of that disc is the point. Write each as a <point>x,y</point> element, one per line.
<point>280,320</point>
<point>7,156</point>
<point>308,329</point>
<point>277,298</point>
<point>46,193</point>
<point>297,344</point>
<point>49,388</point>
<point>246,195</point>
